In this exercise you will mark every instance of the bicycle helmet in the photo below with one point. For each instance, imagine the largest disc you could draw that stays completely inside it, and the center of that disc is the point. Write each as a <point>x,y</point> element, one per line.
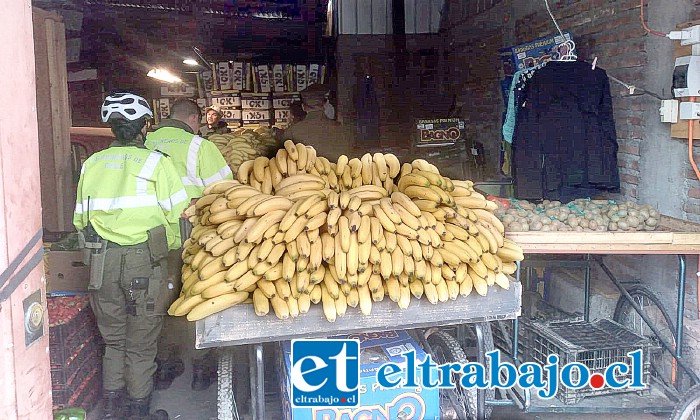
<point>130,106</point>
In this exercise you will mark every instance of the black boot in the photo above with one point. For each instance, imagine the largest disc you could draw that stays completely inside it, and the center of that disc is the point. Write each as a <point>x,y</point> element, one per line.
<point>166,372</point>
<point>114,404</point>
<point>203,373</point>
<point>139,409</point>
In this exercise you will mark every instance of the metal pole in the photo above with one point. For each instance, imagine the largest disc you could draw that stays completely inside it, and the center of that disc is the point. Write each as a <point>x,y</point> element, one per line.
<point>587,289</point>
<point>679,315</point>
<point>257,382</point>
<point>515,321</point>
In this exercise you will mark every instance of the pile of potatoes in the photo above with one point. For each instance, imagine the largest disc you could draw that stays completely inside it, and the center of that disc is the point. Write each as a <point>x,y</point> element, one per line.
<point>582,215</point>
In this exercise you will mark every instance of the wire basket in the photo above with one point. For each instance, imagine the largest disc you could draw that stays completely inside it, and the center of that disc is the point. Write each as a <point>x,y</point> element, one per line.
<point>595,344</point>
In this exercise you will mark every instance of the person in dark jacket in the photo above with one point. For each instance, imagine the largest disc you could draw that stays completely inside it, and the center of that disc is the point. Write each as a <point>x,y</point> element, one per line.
<point>214,124</point>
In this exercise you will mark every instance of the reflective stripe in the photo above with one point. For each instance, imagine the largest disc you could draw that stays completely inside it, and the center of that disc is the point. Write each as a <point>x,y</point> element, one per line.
<point>174,199</point>
<point>109,204</point>
<point>192,159</point>
<point>147,173</point>
<point>223,172</point>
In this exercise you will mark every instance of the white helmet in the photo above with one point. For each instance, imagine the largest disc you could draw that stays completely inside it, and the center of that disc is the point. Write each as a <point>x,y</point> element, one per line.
<point>130,106</point>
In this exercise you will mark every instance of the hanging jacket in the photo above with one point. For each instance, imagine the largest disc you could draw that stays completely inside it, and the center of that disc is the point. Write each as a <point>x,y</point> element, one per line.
<point>565,134</point>
<point>131,190</point>
<point>367,110</point>
<point>198,161</point>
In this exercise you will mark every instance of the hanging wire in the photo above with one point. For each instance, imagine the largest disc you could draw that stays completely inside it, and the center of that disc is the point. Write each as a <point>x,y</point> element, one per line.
<point>644,24</point>
<point>546,3</point>
<point>569,44</point>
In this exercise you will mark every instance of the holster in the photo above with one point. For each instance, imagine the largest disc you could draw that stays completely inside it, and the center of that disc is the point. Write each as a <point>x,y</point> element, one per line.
<point>162,291</point>
<point>94,254</point>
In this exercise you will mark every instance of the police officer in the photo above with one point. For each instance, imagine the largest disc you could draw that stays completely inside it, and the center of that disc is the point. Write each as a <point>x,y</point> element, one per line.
<point>129,200</point>
<point>214,124</point>
<point>199,163</point>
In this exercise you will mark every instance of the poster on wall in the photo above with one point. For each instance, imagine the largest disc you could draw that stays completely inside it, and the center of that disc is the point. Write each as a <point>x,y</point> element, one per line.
<point>439,132</point>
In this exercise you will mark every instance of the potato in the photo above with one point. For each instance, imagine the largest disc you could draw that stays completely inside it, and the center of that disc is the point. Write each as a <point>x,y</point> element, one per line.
<point>592,224</point>
<point>633,221</point>
<point>654,213</point>
<point>508,218</point>
<point>615,218</point>
<point>622,225</point>
<point>578,229</point>
<point>583,223</point>
<point>515,227</point>
<point>652,221</point>
<point>546,220</point>
<point>536,226</point>
<point>572,220</point>
<point>612,226</point>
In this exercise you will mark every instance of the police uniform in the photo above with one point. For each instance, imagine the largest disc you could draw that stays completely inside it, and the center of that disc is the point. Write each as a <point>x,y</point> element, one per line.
<point>127,191</point>
<point>198,161</point>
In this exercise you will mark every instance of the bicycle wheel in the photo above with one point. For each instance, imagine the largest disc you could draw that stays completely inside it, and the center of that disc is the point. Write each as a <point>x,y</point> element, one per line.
<point>688,408</point>
<point>445,349</point>
<point>661,360</point>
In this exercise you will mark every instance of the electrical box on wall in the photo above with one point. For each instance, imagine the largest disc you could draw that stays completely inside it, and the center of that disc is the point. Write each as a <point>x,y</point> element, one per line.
<point>690,111</point>
<point>669,111</point>
<point>686,76</point>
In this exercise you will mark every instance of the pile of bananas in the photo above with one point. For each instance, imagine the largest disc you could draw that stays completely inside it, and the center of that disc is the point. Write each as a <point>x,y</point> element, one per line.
<point>244,144</point>
<point>296,230</point>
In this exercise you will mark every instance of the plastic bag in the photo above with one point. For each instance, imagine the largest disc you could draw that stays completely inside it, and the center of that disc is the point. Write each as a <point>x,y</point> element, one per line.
<point>70,414</point>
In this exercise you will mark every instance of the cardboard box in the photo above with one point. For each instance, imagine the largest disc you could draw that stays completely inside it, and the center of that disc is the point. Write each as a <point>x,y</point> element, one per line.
<point>284,100</point>
<point>256,101</point>
<point>66,272</point>
<point>533,53</point>
<point>375,402</point>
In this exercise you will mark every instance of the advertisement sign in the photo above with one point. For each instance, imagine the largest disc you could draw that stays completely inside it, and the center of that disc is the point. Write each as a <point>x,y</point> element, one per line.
<point>439,131</point>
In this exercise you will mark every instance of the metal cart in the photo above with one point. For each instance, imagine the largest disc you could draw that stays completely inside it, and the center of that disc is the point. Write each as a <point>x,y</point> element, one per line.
<point>240,325</point>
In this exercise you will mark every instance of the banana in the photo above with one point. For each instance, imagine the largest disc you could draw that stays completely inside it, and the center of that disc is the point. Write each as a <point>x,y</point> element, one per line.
<point>484,232</point>
<point>352,256</point>
<point>269,205</point>
<point>255,233</point>
<point>341,164</point>
<point>431,293</point>
<point>378,295</point>
<point>393,164</point>
<point>200,286</point>
<point>243,173</point>
<point>365,300</point>
<point>426,205</point>
<point>303,245</point>
<point>275,254</point>
<point>292,150</point>
<point>219,187</point>
<point>261,303</point>
<point>366,168</point>
<point>274,272</point>
<point>491,218</point>
<point>333,200</point>
<point>219,204</point>
<point>333,217</point>
<point>344,199</point>
<point>508,254</point>
<point>246,226</point>
<point>385,221</point>
<point>222,247</point>
<point>221,217</point>
<point>317,275</point>
<point>502,280</point>
<point>390,241</point>
<point>381,165</point>
<point>491,261</point>
<point>452,289</point>
<point>375,256</point>
<point>397,262</point>
<point>412,180</point>
<point>302,157</point>
<point>315,295</point>
<point>330,284</point>
<point>327,246</point>
<point>340,257</point>
<point>509,267</point>
<point>316,257</point>
<point>447,273</point>
<point>344,233</point>
<point>280,307</point>
<point>303,280</point>
<point>218,304</point>
<point>304,303</point>
<point>329,306</point>
<point>295,229</point>
<point>281,160</point>
<point>480,285</point>
<point>500,240</point>
<point>409,265</point>
<point>385,266</point>
<point>184,304</point>
<point>392,288</point>
<point>259,165</point>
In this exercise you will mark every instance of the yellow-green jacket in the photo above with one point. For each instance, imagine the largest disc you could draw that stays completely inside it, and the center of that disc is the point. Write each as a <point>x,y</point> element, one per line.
<point>198,161</point>
<point>131,190</point>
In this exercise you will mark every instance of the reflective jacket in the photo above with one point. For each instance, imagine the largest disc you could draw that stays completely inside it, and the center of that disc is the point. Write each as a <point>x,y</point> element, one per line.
<point>131,190</point>
<point>198,161</point>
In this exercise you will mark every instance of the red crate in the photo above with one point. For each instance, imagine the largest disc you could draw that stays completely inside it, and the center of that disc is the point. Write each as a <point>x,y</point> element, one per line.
<point>74,393</point>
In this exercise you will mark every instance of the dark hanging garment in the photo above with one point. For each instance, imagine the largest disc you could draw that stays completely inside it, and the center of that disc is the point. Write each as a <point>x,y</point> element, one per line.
<point>565,145</point>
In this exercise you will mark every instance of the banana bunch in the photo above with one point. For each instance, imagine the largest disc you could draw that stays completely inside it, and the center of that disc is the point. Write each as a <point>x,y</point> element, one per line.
<point>244,144</point>
<point>296,229</point>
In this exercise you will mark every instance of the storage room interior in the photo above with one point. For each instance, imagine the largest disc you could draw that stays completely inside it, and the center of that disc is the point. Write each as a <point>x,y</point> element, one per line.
<point>421,59</point>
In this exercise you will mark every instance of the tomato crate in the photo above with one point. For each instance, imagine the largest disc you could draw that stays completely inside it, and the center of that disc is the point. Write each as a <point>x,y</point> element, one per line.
<point>84,359</point>
<point>83,393</point>
<point>595,344</point>
<point>70,327</point>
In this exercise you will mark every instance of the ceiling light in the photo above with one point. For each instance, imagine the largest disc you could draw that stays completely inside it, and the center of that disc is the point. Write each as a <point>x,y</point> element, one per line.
<point>190,62</point>
<point>164,76</point>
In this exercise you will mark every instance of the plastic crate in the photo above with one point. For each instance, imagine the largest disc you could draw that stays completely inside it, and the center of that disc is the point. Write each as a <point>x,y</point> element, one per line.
<point>85,357</point>
<point>595,344</point>
<point>66,339</point>
<point>74,393</point>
